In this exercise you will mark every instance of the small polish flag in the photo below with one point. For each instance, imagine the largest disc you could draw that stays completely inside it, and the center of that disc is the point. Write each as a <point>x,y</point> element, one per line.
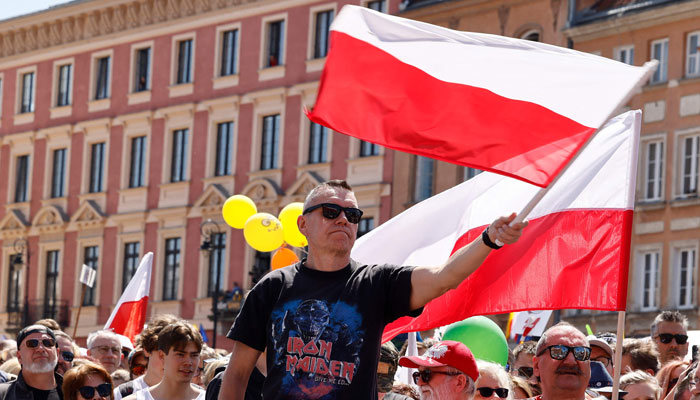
<point>129,315</point>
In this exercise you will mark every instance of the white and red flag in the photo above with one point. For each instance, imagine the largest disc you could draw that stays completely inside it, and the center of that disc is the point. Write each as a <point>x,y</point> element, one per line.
<point>573,254</point>
<point>129,315</point>
<point>511,106</point>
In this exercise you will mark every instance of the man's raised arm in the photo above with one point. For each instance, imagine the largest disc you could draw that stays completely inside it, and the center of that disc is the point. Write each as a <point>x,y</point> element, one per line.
<point>428,283</point>
<point>235,379</point>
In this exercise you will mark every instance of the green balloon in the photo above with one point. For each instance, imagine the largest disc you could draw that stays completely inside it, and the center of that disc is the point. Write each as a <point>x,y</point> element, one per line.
<point>483,337</point>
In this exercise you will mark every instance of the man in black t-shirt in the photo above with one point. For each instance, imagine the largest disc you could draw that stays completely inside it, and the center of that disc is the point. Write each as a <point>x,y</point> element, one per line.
<point>321,320</point>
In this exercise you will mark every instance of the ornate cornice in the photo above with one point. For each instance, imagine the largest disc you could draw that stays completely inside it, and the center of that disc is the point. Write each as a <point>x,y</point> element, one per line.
<point>89,20</point>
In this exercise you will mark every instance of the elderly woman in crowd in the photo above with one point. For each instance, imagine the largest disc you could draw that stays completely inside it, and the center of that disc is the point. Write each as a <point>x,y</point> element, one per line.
<point>87,381</point>
<point>493,383</point>
<point>639,385</point>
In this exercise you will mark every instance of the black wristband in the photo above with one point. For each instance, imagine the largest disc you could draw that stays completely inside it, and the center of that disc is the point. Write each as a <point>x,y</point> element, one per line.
<point>487,240</point>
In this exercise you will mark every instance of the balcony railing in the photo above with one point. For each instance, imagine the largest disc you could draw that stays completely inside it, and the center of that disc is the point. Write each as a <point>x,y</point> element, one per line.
<point>38,309</point>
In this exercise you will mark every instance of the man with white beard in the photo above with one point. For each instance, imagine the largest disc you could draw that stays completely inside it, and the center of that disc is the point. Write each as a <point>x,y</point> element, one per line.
<point>446,371</point>
<point>37,354</point>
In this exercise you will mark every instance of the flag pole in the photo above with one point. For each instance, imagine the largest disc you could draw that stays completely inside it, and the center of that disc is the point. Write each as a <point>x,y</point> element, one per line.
<point>618,354</point>
<point>651,67</point>
<point>77,318</point>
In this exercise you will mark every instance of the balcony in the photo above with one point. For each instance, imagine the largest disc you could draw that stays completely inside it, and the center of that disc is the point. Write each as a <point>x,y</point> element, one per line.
<point>38,309</point>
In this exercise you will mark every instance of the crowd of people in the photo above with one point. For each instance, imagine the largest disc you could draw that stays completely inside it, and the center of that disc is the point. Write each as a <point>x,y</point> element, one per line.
<point>313,331</point>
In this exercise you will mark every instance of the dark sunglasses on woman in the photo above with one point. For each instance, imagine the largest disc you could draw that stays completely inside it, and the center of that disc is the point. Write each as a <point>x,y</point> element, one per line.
<point>104,390</point>
<point>488,392</point>
<point>332,211</point>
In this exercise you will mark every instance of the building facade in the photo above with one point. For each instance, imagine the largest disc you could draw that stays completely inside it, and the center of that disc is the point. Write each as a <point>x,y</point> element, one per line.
<point>125,125</point>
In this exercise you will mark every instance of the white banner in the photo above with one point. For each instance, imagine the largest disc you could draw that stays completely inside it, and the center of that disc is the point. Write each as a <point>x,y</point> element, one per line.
<point>529,323</point>
<point>87,276</point>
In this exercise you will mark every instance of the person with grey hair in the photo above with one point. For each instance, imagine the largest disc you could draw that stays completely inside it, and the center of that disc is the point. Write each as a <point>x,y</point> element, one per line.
<point>105,347</point>
<point>562,363</point>
<point>494,382</point>
<point>670,334</point>
<point>321,319</point>
<point>639,385</point>
<point>447,371</point>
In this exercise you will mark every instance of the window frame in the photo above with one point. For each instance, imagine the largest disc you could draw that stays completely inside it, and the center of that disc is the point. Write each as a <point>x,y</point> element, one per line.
<point>696,57</point>
<point>368,149</point>
<point>276,142</point>
<point>23,195</point>
<point>91,172</point>
<point>681,157</point>
<point>420,185</point>
<point>142,182</point>
<point>127,257</point>
<point>97,93</point>
<point>138,69</point>
<point>21,84</point>
<point>316,53</point>
<point>67,99</point>
<point>179,161</point>
<point>625,49</point>
<point>14,285</point>
<point>656,256</point>
<point>660,174</point>
<point>323,147</point>
<point>63,178</point>
<point>678,249</point>
<point>175,61</point>
<point>265,40</point>
<point>226,165</point>
<point>166,294</point>
<point>662,70</point>
<point>92,261</point>
<point>384,3</point>
<point>218,243</point>
<point>51,301</point>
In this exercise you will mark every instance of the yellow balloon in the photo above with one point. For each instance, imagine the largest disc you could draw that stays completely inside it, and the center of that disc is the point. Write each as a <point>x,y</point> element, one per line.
<point>288,216</point>
<point>237,209</point>
<point>263,232</point>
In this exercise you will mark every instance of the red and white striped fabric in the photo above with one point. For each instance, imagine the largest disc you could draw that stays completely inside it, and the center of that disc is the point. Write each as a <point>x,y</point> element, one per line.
<point>573,254</point>
<point>511,106</point>
<point>129,315</point>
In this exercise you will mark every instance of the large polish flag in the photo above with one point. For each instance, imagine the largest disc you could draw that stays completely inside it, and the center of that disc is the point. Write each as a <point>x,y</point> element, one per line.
<point>129,315</point>
<point>573,254</point>
<point>512,106</point>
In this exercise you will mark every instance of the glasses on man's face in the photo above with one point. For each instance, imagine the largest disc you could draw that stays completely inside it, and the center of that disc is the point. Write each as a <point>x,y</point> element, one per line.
<point>34,343</point>
<point>67,356</point>
<point>525,372</point>
<point>603,360</point>
<point>106,349</point>
<point>427,374</point>
<point>104,390</point>
<point>488,392</point>
<point>332,211</point>
<point>559,352</point>
<point>138,370</point>
<point>666,338</point>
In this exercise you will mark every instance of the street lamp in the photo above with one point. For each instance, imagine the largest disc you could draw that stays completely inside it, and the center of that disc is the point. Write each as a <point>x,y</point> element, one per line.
<point>208,229</point>
<point>20,245</point>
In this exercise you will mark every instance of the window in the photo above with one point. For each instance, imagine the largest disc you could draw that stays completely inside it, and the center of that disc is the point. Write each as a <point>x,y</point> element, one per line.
<point>275,44</point>
<point>379,5</point>
<point>424,178</point>
<point>270,142</point>
<point>51,284</point>
<point>216,263</point>
<point>318,144</point>
<point>531,35</point>
<point>102,79</point>
<point>469,173</point>
<point>365,225</point>
<point>97,163</point>
<point>689,166</point>
<point>64,85</point>
<point>229,46</point>
<point>659,51</point>
<point>650,280</point>
<point>224,149</point>
<point>686,283</point>
<point>625,54</point>
<point>171,270</point>
<point>131,262</point>
<point>13,284</point>
<point>137,173</point>
<point>90,258</point>
<point>654,173</point>
<point>260,266</point>
<point>368,149</point>
<point>692,62</point>
<point>178,170</point>
<point>27,104</point>
<point>322,33</point>
<point>184,61</point>
<point>22,179</point>
<point>0,95</point>
<point>142,81</point>
<point>58,178</point>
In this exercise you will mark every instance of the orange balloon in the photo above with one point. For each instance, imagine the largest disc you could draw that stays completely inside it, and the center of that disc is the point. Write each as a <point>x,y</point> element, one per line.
<point>282,258</point>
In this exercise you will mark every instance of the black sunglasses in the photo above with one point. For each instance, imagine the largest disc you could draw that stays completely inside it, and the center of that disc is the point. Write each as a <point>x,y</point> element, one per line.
<point>34,343</point>
<point>487,392</point>
<point>67,356</point>
<point>426,374</point>
<point>104,390</point>
<point>525,372</point>
<point>332,211</point>
<point>666,338</point>
<point>559,352</point>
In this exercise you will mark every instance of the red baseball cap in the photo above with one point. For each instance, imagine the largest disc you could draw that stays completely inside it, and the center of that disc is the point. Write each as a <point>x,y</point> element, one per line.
<point>447,353</point>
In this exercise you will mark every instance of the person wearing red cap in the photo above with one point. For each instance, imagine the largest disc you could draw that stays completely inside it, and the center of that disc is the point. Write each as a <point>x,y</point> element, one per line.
<point>446,371</point>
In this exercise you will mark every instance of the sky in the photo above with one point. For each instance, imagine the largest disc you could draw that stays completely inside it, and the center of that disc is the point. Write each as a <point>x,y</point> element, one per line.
<point>13,8</point>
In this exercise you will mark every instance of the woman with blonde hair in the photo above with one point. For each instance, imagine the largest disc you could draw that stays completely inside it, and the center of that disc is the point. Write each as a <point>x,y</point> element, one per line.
<point>669,374</point>
<point>639,385</point>
<point>87,381</point>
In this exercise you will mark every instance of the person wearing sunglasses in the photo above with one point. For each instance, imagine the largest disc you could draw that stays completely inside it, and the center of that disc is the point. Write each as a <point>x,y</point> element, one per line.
<point>66,352</point>
<point>37,353</point>
<point>87,381</point>
<point>329,299</point>
<point>562,363</point>
<point>670,333</point>
<point>493,383</point>
<point>446,371</point>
